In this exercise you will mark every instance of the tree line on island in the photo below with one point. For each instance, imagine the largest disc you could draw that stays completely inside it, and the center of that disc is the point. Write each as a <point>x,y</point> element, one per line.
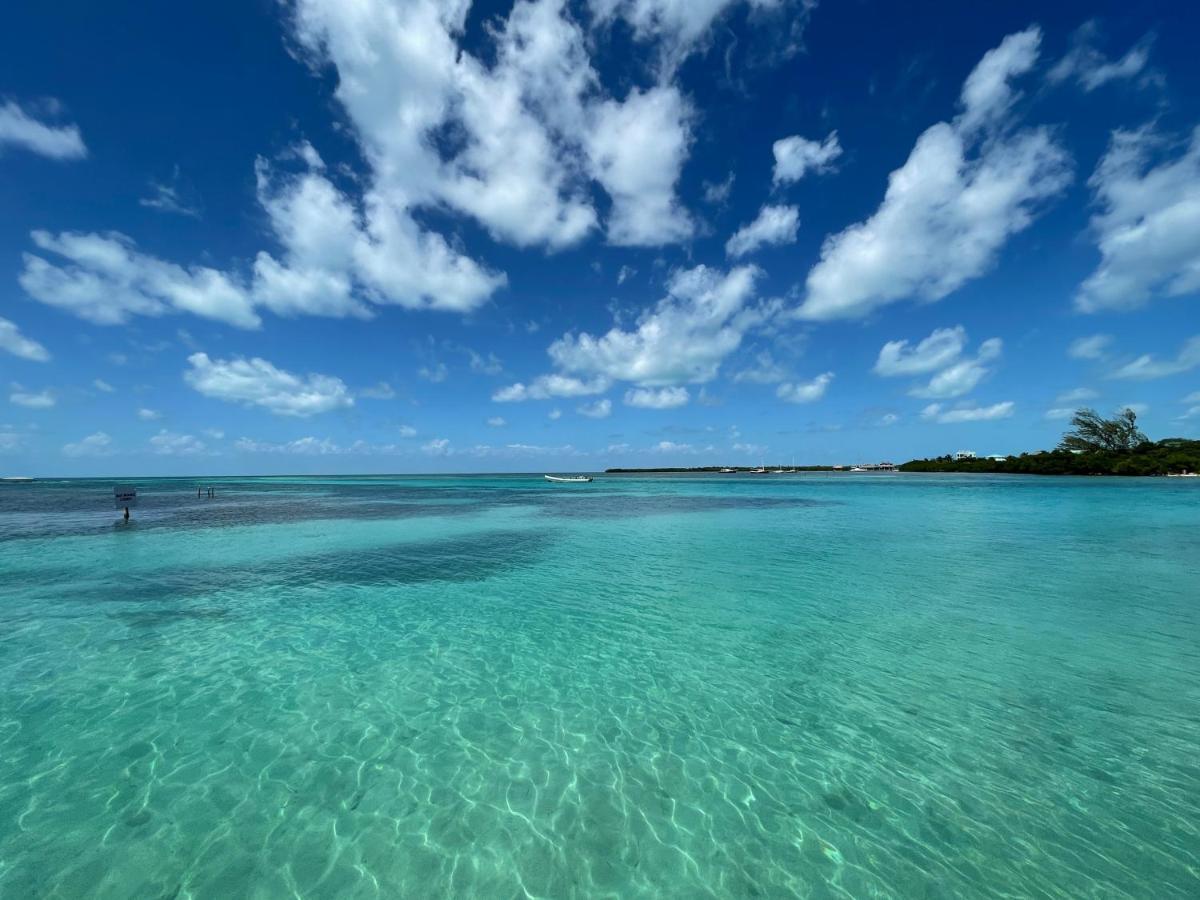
<point>1094,446</point>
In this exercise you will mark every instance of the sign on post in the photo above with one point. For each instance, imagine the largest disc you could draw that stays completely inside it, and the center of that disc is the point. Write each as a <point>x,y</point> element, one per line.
<point>125,496</point>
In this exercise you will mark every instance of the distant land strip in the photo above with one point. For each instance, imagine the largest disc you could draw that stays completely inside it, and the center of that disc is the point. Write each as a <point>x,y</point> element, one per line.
<point>717,469</point>
<point>1171,456</point>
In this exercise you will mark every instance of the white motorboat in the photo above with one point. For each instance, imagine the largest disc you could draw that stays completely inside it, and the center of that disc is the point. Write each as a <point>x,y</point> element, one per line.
<point>569,479</point>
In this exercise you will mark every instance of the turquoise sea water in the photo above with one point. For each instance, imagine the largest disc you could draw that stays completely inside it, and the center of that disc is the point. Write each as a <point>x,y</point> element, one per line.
<point>491,686</point>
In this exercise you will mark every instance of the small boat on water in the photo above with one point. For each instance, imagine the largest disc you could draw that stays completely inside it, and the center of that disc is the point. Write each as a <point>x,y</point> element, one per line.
<point>761,470</point>
<point>728,471</point>
<point>1183,474</point>
<point>569,479</point>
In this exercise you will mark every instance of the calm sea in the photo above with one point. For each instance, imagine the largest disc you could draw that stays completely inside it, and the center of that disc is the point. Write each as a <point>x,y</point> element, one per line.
<point>492,686</point>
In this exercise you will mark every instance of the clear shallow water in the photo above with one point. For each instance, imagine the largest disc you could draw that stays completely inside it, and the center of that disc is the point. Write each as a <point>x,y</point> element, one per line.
<point>813,686</point>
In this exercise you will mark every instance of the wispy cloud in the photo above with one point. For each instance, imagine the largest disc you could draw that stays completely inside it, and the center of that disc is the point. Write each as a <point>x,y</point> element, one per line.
<point>171,197</point>
<point>43,399</point>
<point>20,129</point>
<point>1148,366</point>
<point>96,444</point>
<point>12,341</point>
<point>943,416</point>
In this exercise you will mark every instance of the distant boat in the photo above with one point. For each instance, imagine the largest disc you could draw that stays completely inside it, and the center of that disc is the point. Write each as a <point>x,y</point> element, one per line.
<point>761,470</point>
<point>1183,474</point>
<point>569,479</point>
<point>728,471</point>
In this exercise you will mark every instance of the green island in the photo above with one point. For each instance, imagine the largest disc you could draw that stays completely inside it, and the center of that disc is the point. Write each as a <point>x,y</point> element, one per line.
<point>1094,446</point>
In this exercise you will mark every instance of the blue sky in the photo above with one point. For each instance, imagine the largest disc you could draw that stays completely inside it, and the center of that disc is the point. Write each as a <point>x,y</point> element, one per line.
<point>438,235</point>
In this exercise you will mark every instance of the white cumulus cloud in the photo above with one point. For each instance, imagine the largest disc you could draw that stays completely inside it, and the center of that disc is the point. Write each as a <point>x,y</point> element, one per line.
<point>546,386</point>
<point>1147,226</point>
<point>796,156</point>
<point>105,280</point>
<point>684,338</point>
<point>601,409</point>
<point>636,149</point>
<point>942,347</point>
<point>532,121</point>
<point>962,376</point>
<point>966,188</point>
<point>773,225</point>
<point>657,398</point>
<point>804,391</point>
<point>514,131</point>
<point>256,382</point>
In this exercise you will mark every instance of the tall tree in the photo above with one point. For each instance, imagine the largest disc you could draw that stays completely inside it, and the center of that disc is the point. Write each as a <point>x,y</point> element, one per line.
<point>1094,433</point>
